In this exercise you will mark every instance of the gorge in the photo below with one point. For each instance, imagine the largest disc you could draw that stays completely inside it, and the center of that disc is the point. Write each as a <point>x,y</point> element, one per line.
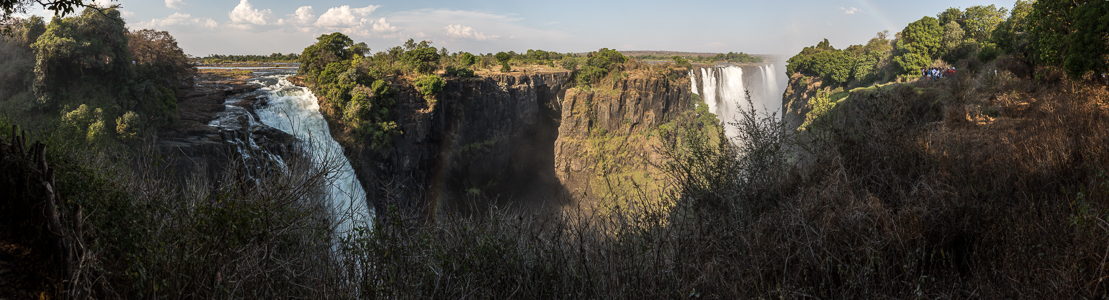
<point>536,141</point>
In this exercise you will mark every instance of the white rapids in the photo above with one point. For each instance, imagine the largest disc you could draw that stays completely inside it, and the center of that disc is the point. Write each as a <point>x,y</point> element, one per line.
<point>295,110</point>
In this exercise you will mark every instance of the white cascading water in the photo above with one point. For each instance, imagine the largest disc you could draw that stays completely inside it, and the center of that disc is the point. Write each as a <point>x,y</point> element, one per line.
<point>295,110</point>
<point>724,89</point>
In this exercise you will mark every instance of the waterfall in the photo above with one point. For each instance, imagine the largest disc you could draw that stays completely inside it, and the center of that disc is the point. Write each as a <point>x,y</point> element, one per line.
<point>295,110</point>
<point>724,88</point>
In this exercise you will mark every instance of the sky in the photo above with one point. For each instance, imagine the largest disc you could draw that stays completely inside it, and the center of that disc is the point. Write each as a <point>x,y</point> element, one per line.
<point>204,27</point>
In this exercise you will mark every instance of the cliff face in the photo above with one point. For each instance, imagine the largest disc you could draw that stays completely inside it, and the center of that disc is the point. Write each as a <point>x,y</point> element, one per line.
<point>607,140</point>
<point>525,140</point>
<point>487,137</point>
<point>795,101</point>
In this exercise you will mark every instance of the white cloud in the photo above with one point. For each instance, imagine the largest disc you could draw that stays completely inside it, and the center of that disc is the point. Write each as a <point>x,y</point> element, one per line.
<point>850,11</point>
<point>344,16</point>
<point>178,19</point>
<point>466,32</point>
<point>383,26</point>
<point>171,20</point>
<point>102,3</point>
<point>174,4</point>
<point>126,13</point>
<point>244,14</point>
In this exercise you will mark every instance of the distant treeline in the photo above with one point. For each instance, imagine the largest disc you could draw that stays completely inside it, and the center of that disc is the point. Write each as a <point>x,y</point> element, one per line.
<point>275,57</point>
<point>730,57</point>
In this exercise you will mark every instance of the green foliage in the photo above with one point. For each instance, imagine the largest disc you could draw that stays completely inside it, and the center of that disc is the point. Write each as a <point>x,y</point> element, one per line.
<point>127,126</point>
<point>502,57</point>
<point>1089,43</point>
<point>85,123</point>
<point>91,45</point>
<point>923,37</point>
<point>422,59</point>
<point>92,59</point>
<point>459,72</point>
<point>1049,24</point>
<point>467,59</point>
<point>505,67</point>
<point>329,48</point>
<point>430,85</point>
<point>988,52</point>
<point>681,62</point>
<point>1011,35</point>
<point>979,21</point>
<point>834,66</point>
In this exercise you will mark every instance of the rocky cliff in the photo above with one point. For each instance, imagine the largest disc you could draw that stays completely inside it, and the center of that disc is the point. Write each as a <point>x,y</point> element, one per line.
<point>527,140</point>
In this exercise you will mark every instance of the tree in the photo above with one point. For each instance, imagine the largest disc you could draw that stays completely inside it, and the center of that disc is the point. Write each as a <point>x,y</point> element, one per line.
<point>922,37</point>
<point>467,59</point>
<point>952,14</point>
<point>1089,44</point>
<point>92,45</point>
<point>952,35</point>
<point>979,21</point>
<point>328,48</point>
<point>1011,35</point>
<point>157,53</point>
<point>502,57</point>
<point>422,59</point>
<point>919,43</point>
<point>1048,27</point>
<point>833,66</point>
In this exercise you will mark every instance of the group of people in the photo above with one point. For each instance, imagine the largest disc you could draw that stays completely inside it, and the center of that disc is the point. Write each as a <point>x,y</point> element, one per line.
<point>937,73</point>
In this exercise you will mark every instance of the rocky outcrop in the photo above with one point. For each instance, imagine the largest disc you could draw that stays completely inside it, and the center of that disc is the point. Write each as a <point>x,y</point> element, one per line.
<point>795,101</point>
<point>607,132</point>
<point>197,144</point>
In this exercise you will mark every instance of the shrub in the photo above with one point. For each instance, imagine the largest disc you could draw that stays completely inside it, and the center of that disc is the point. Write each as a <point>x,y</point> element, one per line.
<point>459,71</point>
<point>505,67</point>
<point>430,85</point>
<point>467,59</point>
<point>127,126</point>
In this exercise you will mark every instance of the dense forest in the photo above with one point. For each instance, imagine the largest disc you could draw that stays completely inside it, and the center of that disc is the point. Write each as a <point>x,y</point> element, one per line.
<point>90,78</point>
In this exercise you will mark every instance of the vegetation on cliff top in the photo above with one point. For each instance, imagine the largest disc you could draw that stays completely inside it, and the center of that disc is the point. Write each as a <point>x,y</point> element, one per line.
<point>81,75</point>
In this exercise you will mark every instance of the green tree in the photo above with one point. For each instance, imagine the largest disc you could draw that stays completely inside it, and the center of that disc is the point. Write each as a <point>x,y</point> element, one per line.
<point>422,59</point>
<point>1049,23</point>
<point>430,85</point>
<point>952,36</point>
<point>503,58</point>
<point>951,14</point>
<point>329,48</point>
<point>467,59</point>
<point>920,42</point>
<point>924,37</point>
<point>979,21</point>
<point>1011,35</point>
<point>1089,44</point>
<point>833,66</point>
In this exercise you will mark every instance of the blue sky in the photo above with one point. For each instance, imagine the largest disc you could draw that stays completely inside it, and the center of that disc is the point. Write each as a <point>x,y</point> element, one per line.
<point>205,27</point>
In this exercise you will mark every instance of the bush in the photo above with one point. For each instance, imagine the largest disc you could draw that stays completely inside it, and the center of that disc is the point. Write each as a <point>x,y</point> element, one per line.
<point>430,85</point>
<point>467,59</point>
<point>459,72</point>
<point>127,126</point>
